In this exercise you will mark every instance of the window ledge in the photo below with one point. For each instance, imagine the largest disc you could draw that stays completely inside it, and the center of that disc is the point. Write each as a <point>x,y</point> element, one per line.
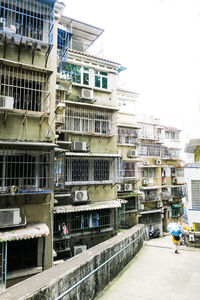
<point>75,183</point>
<point>22,112</point>
<point>102,90</point>
<point>24,272</point>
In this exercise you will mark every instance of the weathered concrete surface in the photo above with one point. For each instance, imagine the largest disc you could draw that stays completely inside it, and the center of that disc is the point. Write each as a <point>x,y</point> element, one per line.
<point>53,282</point>
<point>157,273</point>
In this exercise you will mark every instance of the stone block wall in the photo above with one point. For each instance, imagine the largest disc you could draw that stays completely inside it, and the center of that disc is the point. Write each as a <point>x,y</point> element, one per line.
<point>50,284</point>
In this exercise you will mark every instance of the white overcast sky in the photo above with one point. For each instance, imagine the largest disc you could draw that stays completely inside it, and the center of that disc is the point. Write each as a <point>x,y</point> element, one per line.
<point>159,43</point>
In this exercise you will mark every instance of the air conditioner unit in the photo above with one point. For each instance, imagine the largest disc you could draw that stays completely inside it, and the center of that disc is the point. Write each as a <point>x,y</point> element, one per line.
<point>79,249</point>
<point>141,207</point>
<point>146,162</point>
<point>158,162</point>
<point>128,187</point>
<point>6,102</point>
<point>150,181</point>
<point>132,153</point>
<point>174,180</point>
<point>80,197</point>
<point>87,94</point>
<point>9,217</point>
<point>119,187</point>
<point>159,204</point>
<point>145,181</point>
<point>79,146</point>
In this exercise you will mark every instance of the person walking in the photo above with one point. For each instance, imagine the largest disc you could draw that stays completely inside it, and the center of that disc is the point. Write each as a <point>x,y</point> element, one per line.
<point>176,240</point>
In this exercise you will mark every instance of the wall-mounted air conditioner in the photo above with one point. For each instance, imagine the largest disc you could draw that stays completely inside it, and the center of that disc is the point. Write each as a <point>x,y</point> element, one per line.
<point>128,187</point>
<point>87,94</point>
<point>79,249</point>
<point>80,197</point>
<point>158,161</point>
<point>9,217</point>
<point>6,102</point>
<point>150,181</point>
<point>79,146</point>
<point>159,204</point>
<point>145,181</point>
<point>132,153</point>
<point>141,207</point>
<point>174,180</point>
<point>146,162</point>
<point>119,187</point>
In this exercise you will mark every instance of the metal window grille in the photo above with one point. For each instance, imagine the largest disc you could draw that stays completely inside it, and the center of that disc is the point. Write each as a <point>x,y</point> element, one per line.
<point>180,192</point>
<point>128,170</point>
<point>127,136</point>
<point>150,218</point>
<point>3,265</point>
<point>132,204</point>
<point>151,150</point>
<point>195,187</point>
<point>28,88</point>
<point>33,19</point>
<point>25,171</point>
<point>177,212</point>
<point>89,221</point>
<point>63,38</point>
<point>88,170</point>
<point>152,196</point>
<point>78,119</point>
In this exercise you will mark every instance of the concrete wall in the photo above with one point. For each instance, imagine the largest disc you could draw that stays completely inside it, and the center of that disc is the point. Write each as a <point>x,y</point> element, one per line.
<point>53,282</point>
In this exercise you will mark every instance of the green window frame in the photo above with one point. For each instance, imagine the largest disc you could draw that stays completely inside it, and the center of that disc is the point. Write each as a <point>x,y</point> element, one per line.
<point>101,80</point>
<point>77,74</point>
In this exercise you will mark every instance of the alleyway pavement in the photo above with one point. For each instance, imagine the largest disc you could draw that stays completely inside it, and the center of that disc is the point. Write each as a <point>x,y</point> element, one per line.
<point>157,273</point>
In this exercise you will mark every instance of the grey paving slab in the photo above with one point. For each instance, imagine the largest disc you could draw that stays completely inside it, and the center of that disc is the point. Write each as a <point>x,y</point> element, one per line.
<point>157,273</point>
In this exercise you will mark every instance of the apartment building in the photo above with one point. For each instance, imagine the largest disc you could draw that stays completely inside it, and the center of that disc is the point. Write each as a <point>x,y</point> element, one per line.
<point>192,174</point>
<point>86,206</point>
<point>28,39</point>
<point>163,180</point>
<point>129,170</point>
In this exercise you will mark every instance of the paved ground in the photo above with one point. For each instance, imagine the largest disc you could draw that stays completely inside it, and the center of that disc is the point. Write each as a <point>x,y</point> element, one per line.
<point>157,273</point>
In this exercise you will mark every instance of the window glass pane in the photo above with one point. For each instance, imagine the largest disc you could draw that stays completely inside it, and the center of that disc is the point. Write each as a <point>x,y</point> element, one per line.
<point>78,78</point>
<point>68,67</point>
<point>78,70</point>
<point>86,69</point>
<point>76,124</point>
<point>85,78</point>
<point>97,81</point>
<point>104,83</point>
<point>73,68</point>
<point>103,73</point>
<point>97,126</point>
<point>96,72</point>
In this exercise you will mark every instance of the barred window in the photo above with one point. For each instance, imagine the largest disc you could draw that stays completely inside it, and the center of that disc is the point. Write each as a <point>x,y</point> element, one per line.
<point>195,186</point>
<point>88,170</point>
<point>23,89</point>
<point>127,136</point>
<point>27,171</point>
<point>81,119</point>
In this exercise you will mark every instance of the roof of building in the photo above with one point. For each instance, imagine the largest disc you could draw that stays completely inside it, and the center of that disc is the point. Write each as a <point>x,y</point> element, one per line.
<point>29,232</point>
<point>94,56</point>
<point>126,91</point>
<point>191,145</point>
<point>81,31</point>
<point>86,207</point>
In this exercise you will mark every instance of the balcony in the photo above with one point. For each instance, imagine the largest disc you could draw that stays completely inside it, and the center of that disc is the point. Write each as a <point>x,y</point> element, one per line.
<point>151,197</point>
<point>166,195</point>
<point>25,172</point>
<point>27,24</point>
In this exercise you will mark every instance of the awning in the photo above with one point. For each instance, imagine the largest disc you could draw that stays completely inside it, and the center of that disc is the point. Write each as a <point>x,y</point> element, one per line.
<point>28,144</point>
<point>31,231</point>
<point>151,187</point>
<point>86,207</point>
<point>150,211</point>
<point>177,205</point>
<point>129,126</point>
<point>92,154</point>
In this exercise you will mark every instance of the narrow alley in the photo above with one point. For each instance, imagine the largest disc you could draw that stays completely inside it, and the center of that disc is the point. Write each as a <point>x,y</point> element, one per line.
<point>157,273</point>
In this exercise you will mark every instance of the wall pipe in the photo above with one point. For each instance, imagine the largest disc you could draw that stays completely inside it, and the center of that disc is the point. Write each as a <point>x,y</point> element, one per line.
<point>98,268</point>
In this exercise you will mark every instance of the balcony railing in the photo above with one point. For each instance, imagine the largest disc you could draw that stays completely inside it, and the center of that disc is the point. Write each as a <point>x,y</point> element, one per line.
<point>152,197</point>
